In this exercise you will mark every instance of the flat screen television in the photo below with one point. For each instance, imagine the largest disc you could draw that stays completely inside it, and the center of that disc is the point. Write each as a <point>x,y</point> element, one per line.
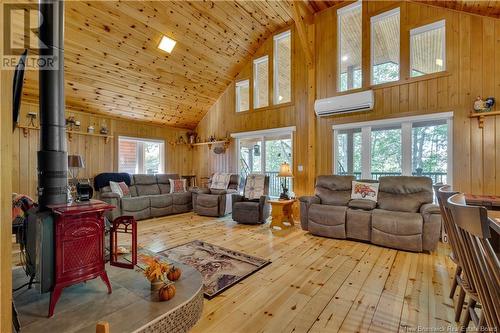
<point>17,88</point>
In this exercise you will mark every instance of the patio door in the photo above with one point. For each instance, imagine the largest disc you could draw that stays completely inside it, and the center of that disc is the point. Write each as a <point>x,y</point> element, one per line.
<point>264,152</point>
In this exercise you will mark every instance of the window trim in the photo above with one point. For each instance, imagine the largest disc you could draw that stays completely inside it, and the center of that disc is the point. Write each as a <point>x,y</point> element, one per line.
<point>276,38</point>
<point>340,11</point>
<point>426,28</point>
<point>375,19</point>
<point>140,152</point>
<point>366,127</point>
<point>256,62</point>
<point>239,84</point>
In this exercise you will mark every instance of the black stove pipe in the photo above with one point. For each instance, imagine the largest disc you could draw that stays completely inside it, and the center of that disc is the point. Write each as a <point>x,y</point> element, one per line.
<point>52,156</point>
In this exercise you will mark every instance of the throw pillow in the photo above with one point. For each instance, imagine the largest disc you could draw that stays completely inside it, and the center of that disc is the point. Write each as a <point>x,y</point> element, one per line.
<point>125,189</point>
<point>177,185</point>
<point>115,188</point>
<point>254,187</point>
<point>220,181</point>
<point>361,190</point>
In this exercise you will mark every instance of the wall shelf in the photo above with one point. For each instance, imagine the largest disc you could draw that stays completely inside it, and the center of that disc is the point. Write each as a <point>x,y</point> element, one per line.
<point>210,143</point>
<point>26,130</point>
<point>480,116</point>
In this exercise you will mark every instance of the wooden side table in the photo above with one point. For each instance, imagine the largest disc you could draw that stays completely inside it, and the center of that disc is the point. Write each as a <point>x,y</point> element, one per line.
<point>282,211</point>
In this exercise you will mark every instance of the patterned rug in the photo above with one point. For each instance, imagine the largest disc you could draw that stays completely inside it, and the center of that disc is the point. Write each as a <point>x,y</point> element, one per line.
<point>221,268</point>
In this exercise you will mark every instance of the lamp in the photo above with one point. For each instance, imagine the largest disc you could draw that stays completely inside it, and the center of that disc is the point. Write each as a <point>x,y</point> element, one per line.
<point>75,162</point>
<point>285,172</point>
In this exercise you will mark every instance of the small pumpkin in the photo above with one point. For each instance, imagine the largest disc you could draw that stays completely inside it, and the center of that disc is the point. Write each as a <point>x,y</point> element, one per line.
<point>174,274</point>
<point>166,292</point>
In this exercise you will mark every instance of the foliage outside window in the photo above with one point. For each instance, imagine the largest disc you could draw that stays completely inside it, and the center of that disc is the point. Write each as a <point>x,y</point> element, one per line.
<point>242,96</point>
<point>411,146</point>
<point>385,47</point>
<point>350,45</point>
<point>261,82</point>
<point>282,77</point>
<point>427,49</point>
<point>140,155</point>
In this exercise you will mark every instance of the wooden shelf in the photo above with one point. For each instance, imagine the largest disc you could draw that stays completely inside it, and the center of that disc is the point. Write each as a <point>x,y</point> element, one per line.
<point>210,143</point>
<point>480,116</point>
<point>106,137</point>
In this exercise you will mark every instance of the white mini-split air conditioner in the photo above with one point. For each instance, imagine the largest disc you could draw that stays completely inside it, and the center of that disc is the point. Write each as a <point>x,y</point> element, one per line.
<point>355,102</point>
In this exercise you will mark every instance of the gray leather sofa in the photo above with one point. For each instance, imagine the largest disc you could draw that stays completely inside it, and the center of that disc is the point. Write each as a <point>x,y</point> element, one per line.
<point>404,217</point>
<point>149,197</point>
<point>212,202</point>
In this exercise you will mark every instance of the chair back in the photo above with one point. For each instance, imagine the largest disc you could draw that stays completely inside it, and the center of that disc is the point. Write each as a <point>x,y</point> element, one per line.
<point>474,234</point>
<point>443,193</point>
<point>251,178</point>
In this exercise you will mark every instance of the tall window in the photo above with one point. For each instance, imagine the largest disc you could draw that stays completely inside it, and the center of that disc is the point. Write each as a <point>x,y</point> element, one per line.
<point>349,46</point>
<point>282,68</point>
<point>427,49</point>
<point>264,152</point>
<point>419,145</point>
<point>261,82</point>
<point>385,47</point>
<point>242,96</point>
<point>140,155</point>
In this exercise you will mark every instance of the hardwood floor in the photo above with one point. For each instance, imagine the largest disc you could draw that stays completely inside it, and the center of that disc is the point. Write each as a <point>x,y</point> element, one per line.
<point>315,284</point>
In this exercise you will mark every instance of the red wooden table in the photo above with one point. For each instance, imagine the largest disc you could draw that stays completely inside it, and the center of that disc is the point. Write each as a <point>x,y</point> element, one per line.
<point>79,240</point>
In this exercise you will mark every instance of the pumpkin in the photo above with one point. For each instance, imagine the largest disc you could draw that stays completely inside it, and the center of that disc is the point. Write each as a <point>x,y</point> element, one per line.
<point>174,274</point>
<point>166,292</point>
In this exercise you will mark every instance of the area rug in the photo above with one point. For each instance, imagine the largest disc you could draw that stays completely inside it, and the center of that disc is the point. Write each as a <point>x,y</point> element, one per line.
<point>221,268</point>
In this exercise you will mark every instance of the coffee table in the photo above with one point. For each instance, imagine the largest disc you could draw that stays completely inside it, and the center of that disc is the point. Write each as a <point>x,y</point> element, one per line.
<point>282,211</point>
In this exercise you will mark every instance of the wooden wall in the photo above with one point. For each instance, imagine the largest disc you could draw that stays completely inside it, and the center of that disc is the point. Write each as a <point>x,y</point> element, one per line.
<point>98,155</point>
<point>472,69</point>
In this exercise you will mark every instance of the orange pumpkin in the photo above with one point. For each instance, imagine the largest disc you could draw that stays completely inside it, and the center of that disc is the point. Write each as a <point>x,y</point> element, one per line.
<point>174,274</point>
<point>166,292</point>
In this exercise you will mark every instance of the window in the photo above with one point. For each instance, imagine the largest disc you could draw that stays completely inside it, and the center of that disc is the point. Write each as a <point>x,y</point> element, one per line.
<point>242,96</point>
<point>261,82</point>
<point>349,46</point>
<point>140,155</point>
<point>264,152</point>
<point>385,47</point>
<point>427,49</point>
<point>419,145</point>
<point>282,68</point>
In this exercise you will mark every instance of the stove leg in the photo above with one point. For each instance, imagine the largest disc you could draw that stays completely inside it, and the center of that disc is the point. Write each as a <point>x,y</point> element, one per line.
<point>54,297</point>
<point>104,277</point>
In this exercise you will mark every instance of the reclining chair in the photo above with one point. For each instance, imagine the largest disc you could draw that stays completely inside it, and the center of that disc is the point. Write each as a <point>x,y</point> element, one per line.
<point>216,200</point>
<point>252,207</point>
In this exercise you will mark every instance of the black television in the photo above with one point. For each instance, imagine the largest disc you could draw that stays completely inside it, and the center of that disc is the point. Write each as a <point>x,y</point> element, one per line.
<point>17,88</point>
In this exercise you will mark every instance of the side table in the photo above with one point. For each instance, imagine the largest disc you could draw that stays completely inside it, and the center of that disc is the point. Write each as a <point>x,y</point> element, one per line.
<point>281,211</point>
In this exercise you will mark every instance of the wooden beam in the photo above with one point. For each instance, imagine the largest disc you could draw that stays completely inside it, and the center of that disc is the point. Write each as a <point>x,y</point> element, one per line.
<point>302,32</point>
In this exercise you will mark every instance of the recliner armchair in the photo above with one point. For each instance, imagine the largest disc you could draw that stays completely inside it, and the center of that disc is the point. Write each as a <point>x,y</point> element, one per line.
<point>215,202</point>
<point>252,211</point>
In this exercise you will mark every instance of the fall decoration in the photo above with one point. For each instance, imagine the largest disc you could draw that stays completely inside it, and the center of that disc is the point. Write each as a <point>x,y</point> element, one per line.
<point>166,292</point>
<point>155,270</point>
<point>174,273</point>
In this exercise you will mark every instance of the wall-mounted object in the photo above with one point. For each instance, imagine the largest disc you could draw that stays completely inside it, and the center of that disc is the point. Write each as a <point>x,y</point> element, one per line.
<point>485,105</point>
<point>91,129</point>
<point>354,102</point>
<point>192,136</point>
<point>104,128</point>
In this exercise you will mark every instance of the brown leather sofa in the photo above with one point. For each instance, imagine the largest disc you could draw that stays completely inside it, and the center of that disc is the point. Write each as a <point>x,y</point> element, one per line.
<point>403,217</point>
<point>213,202</point>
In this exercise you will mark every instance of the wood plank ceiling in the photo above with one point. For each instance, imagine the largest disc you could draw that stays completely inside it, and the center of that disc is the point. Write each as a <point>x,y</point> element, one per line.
<point>113,65</point>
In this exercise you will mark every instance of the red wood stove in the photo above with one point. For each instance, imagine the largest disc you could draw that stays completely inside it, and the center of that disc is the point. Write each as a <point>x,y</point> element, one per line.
<point>79,240</point>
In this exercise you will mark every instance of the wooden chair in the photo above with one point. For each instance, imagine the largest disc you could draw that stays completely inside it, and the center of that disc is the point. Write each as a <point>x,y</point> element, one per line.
<point>481,263</point>
<point>443,192</point>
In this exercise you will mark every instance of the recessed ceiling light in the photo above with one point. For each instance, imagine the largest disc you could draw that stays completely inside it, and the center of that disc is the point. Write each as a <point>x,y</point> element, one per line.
<point>344,58</point>
<point>167,44</point>
<point>439,62</point>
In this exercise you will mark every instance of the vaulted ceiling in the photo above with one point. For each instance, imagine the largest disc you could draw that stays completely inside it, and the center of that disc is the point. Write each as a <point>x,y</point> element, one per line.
<point>113,65</point>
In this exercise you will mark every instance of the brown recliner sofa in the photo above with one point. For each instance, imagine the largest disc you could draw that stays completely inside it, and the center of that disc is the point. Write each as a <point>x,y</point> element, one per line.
<point>404,217</point>
<point>214,202</point>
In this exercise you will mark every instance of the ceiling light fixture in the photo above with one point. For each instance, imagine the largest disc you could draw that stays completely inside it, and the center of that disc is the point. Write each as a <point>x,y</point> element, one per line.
<point>167,44</point>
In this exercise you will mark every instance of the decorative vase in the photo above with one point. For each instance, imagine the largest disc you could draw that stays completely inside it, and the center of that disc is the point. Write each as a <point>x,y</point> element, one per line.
<point>156,284</point>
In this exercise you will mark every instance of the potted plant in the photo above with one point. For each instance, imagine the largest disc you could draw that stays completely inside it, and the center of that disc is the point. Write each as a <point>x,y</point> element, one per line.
<point>155,272</point>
